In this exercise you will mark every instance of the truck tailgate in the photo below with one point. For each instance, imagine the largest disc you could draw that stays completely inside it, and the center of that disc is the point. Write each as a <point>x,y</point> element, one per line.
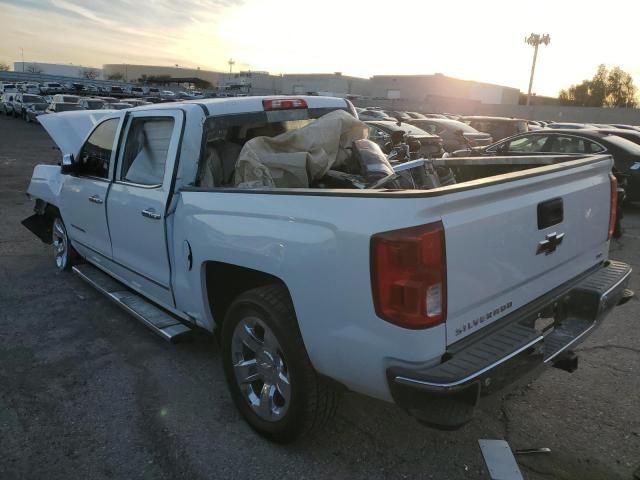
<point>507,246</point>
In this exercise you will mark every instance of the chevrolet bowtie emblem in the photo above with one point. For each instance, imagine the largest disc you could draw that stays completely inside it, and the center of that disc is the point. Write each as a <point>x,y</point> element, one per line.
<point>550,243</point>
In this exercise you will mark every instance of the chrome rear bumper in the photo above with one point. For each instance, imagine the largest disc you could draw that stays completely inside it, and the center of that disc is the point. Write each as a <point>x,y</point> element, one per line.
<point>512,349</point>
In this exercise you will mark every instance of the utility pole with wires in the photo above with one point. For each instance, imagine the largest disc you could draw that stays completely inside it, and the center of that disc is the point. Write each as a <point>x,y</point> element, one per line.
<point>535,39</point>
<point>231,63</point>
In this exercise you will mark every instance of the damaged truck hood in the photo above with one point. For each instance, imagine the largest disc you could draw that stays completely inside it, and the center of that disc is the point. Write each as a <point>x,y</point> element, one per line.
<point>69,129</point>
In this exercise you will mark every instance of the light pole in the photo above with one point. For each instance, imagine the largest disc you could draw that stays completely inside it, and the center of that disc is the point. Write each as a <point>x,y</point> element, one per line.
<point>22,54</point>
<point>535,39</point>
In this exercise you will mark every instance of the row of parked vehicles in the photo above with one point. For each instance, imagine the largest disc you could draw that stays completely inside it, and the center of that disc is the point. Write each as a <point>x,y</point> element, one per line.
<point>484,136</point>
<point>78,88</point>
<point>30,106</point>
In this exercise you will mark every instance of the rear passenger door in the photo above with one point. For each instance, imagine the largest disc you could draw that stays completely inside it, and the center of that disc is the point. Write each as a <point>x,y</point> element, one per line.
<point>137,203</point>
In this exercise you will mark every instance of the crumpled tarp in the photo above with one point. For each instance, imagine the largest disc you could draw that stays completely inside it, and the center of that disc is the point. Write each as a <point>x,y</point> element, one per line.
<point>296,158</point>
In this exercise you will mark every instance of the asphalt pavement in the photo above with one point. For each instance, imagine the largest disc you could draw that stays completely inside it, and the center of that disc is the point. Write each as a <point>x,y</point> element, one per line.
<point>86,392</point>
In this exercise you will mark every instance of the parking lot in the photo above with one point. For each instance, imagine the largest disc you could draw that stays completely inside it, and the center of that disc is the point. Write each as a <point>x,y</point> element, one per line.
<point>87,392</point>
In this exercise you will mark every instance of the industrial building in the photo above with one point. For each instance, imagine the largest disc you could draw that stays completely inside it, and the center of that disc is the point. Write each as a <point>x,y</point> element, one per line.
<point>438,92</point>
<point>425,87</point>
<point>332,84</point>
<point>133,73</point>
<point>61,70</point>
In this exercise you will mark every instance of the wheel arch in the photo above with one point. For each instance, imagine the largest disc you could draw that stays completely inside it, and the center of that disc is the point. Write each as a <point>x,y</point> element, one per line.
<point>225,281</point>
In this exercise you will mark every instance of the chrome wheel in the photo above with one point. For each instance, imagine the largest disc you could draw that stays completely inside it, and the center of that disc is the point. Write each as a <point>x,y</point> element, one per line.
<point>60,244</point>
<point>260,369</point>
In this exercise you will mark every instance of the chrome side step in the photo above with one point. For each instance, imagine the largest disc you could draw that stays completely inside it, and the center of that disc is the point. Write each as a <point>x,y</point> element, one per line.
<point>153,317</point>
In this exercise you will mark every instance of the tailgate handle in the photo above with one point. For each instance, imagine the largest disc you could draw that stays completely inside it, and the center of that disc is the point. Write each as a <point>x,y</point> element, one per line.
<point>550,213</point>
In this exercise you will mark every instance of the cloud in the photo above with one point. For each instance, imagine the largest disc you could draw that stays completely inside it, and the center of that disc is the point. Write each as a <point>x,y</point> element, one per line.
<point>112,31</point>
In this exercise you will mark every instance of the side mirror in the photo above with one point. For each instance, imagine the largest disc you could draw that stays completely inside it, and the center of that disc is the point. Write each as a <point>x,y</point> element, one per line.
<point>68,164</point>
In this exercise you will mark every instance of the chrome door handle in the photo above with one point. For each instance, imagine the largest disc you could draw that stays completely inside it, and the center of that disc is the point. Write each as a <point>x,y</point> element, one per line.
<point>95,199</point>
<point>150,213</point>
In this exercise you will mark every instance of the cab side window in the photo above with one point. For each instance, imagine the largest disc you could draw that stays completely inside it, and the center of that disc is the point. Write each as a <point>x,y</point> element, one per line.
<point>146,150</point>
<point>95,155</point>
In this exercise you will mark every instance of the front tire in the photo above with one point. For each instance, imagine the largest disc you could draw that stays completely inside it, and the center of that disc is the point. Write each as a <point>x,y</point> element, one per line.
<point>270,376</point>
<point>64,254</point>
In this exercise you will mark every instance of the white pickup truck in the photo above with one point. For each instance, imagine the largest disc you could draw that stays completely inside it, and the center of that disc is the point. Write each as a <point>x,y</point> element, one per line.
<point>426,298</point>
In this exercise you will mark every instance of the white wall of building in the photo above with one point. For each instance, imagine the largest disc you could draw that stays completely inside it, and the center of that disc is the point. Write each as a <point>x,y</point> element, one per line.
<point>64,70</point>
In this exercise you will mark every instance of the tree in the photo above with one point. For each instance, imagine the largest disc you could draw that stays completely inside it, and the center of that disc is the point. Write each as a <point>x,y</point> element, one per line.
<point>4,67</point>
<point>621,90</point>
<point>115,76</point>
<point>607,88</point>
<point>89,73</point>
<point>34,69</point>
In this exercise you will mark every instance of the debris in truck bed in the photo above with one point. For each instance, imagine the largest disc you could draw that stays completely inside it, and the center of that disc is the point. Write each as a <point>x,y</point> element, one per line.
<point>281,161</point>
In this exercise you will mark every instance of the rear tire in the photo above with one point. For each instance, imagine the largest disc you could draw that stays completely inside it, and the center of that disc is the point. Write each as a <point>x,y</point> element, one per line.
<point>270,376</point>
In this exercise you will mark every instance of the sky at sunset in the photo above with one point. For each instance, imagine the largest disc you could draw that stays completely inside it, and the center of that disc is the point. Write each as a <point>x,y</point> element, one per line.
<point>475,40</point>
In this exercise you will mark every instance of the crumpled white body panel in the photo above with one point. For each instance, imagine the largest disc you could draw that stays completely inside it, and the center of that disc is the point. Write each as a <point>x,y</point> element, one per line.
<point>46,183</point>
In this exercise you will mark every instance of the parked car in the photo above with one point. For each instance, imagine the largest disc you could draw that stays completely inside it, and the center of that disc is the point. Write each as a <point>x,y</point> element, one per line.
<point>51,88</point>
<point>167,94</point>
<point>533,125</point>
<point>455,135</point>
<point>6,102</point>
<point>117,90</point>
<point>109,99</point>
<point>153,91</point>
<point>153,99</point>
<point>136,102</point>
<point>379,115</point>
<point>497,127</point>
<point>386,312</point>
<point>56,107</point>
<point>137,91</point>
<point>416,115</point>
<point>565,125</point>
<point>380,132</point>
<point>92,103</point>
<point>32,88</point>
<point>398,115</point>
<point>23,101</point>
<point>8,88</point>
<point>625,127</point>
<point>34,110</point>
<point>625,153</point>
<point>65,98</point>
<point>91,89</point>
<point>117,106</point>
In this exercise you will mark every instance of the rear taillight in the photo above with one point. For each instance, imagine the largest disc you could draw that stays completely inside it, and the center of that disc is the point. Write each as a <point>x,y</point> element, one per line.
<point>614,205</point>
<point>283,104</point>
<point>409,276</point>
